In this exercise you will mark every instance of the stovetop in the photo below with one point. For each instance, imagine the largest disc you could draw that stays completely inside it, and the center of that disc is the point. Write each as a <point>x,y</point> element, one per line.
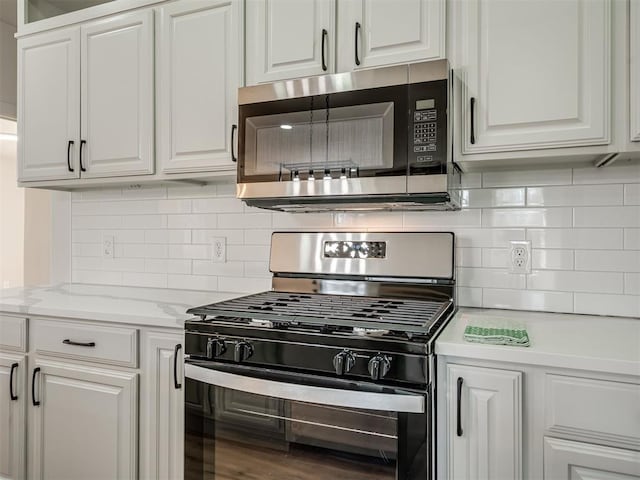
<point>329,313</point>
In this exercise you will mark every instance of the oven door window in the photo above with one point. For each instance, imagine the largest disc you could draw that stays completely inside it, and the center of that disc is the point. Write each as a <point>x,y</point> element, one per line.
<point>361,133</point>
<point>233,434</point>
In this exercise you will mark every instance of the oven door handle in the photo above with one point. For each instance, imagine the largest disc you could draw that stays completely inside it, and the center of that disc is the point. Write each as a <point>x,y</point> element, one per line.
<point>402,403</point>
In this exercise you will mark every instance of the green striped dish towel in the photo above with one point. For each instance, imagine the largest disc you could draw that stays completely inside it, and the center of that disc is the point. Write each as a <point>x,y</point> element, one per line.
<point>497,335</point>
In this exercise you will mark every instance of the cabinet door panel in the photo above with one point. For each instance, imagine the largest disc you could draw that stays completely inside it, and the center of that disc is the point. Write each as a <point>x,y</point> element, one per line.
<point>284,39</point>
<point>12,417</point>
<point>200,70</point>
<point>634,48</point>
<point>566,460</point>
<point>49,105</point>
<point>490,444</point>
<point>86,423</point>
<point>162,425</point>
<point>117,108</point>
<point>537,72</point>
<point>381,40</point>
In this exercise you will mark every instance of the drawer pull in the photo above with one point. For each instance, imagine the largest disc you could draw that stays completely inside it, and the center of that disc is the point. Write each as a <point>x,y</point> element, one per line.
<point>66,341</point>
<point>176,384</point>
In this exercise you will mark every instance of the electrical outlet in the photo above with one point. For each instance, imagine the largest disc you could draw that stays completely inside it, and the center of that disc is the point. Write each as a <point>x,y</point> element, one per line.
<point>219,249</point>
<point>520,257</point>
<point>107,246</point>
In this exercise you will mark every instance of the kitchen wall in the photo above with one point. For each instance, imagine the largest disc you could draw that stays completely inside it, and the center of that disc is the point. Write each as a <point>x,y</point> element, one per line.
<point>12,201</point>
<point>583,224</point>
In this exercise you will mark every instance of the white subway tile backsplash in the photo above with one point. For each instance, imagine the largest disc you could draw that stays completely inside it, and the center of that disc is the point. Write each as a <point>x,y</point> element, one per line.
<point>632,283</point>
<point>526,178</point>
<point>527,217</point>
<point>561,302</point>
<point>552,259</point>
<point>606,217</point>
<point>228,269</point>
<point>469,297</point>
<point>632,238</point>
<point>489,277</point>
<point>632,194</point>
<point>493,197</point>
<point>606,304</point>
<point>199,220</point>
<point>608,260</point>
<point>613,174</point>
<point>192,282</point>
<point>570,281</point>
<point>584,228</point>
<point>575,195</point>
<point>585,238</point>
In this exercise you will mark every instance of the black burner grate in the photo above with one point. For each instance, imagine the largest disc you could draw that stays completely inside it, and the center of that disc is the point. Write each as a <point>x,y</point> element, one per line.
<point>403,315</point>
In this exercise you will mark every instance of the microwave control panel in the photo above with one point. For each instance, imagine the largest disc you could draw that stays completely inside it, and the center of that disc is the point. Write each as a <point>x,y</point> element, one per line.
<point>427,127</point>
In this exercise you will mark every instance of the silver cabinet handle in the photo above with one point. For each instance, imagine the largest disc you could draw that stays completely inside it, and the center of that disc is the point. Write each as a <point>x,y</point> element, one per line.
<point>305,393</point>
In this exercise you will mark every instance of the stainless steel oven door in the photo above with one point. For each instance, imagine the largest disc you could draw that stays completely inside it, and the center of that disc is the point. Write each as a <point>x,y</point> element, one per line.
<point>250,423</point>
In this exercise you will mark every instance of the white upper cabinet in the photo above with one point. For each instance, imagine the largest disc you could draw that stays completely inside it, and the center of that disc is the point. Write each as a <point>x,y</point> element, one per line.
<point>535,74</point>
<point>117,96</point>
<point>634,49</point>
<point>200,57</point>
<point>289,39</point>
<point>383,32</point>
<point>49,105</point>
<point>484,423</point>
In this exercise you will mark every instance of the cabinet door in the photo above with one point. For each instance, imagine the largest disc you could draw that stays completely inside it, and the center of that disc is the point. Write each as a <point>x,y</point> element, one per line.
<point>12,417</point>
<point>117,96</point>
<point>49,105</point>
<point>85,425</point>
<point>634,84</point>
<point>484,423</point>
<point>162,425</point>
<point>199,72</point>
<point>566,460</point>
<point>536,74</point>
<point>285,39</point>
<point>383,32</point>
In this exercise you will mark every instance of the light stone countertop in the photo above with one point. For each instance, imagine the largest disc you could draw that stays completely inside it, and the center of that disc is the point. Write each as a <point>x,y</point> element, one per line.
<point>584,342</point>
<point>158,307</point>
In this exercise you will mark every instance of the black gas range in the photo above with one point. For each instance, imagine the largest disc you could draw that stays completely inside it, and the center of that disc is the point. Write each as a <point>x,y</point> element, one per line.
<point>331,374</point>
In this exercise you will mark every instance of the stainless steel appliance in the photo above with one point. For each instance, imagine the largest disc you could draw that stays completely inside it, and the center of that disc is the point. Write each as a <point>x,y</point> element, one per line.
<point>329,375</point>
<point>372,139</point>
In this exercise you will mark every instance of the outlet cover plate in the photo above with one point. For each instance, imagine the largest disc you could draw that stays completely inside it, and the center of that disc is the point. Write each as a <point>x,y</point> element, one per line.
<point>520,256</point>
<point>219,249</point>
<point>108,246</point>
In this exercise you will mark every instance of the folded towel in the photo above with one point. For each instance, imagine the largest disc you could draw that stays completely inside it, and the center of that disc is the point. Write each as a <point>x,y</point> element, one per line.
<point>496,335</point>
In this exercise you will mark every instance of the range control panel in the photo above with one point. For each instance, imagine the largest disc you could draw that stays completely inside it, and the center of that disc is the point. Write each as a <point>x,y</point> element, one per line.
<point>427,137</point>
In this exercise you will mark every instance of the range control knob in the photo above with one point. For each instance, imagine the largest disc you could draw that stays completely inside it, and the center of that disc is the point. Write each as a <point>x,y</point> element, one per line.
<point>343,362</point>
<point>379,366</point>
<point>242,351</point>
<point>215,347</point>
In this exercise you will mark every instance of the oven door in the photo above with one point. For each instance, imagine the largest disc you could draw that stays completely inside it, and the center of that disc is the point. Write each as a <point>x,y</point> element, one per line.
<point>250,423</point>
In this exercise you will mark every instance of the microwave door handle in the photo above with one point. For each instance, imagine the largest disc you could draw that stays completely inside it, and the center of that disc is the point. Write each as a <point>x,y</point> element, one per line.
<point>306,393</point>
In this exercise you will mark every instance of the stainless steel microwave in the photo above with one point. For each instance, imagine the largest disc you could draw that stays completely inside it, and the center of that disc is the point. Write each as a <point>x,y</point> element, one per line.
<point>376,139</point>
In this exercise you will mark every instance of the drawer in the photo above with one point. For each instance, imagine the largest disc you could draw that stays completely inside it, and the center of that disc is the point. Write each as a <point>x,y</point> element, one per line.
<point>82,341</point>
<point>13,333</point>
<point>601,410</point>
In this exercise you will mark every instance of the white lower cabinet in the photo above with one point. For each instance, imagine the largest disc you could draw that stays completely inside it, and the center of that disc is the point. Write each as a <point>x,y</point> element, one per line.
<point>568,460</point>
<point>12,416</point>
<point>162,407</point>
<point>83,422</point>
<point>484,423</point>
